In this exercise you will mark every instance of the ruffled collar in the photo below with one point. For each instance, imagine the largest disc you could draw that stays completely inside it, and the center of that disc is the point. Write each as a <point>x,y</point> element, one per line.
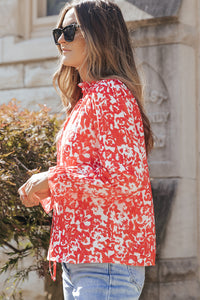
<point>86,86</point>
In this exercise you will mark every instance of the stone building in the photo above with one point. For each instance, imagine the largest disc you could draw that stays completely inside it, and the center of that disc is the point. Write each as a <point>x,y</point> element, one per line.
<point>166,34</point>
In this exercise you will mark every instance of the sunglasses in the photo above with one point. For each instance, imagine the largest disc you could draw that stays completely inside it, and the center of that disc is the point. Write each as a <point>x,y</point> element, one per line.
<point>68,32</point>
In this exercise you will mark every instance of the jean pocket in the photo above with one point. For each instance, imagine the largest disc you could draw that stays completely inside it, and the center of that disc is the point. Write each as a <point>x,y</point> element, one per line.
<point>137,276</point>
<point>65,269</point>
<point>66,272</point>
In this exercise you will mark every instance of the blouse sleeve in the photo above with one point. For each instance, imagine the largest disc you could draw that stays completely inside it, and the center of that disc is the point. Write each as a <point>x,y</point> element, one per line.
<point>122,168</point>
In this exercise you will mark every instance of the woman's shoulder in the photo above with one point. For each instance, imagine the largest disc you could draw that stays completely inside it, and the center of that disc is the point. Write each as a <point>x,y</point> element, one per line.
<point>112,94</point>
<point>112,90</point>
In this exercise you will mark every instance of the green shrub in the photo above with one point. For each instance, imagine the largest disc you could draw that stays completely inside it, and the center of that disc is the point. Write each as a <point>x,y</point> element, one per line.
<point>26,146</point>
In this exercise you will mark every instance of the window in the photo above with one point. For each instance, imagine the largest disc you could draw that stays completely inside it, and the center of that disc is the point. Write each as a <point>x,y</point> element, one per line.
<point>44,15</point>
<point>47,8</point>
<point>53,7</point>
<point>36,18</point>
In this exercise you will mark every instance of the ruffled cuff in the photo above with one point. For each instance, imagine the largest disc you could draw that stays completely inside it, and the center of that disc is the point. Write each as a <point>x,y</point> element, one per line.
<point>47,203</point>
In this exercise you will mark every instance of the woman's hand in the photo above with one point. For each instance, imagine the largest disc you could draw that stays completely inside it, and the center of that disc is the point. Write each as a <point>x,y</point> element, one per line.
<point>35,189</point>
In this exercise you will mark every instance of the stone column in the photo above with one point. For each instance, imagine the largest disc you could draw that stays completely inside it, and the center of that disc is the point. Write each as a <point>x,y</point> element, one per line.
<point>166,39</point>
<point>198,125</point>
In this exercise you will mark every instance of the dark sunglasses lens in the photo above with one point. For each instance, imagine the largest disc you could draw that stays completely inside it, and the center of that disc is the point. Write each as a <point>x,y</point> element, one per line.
<point>69,33</point>
<point>56,34</point>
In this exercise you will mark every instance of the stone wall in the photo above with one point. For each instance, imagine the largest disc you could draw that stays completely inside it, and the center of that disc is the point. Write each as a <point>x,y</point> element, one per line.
<point>168,50</point>
<point>167,39</point>
<point>30,83</point>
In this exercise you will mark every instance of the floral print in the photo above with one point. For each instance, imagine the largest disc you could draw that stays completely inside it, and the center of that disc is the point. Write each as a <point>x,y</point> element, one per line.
<point>100,189</point>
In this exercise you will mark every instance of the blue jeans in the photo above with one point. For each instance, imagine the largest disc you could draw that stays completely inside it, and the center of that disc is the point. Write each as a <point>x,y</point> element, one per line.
<point>102,281</point>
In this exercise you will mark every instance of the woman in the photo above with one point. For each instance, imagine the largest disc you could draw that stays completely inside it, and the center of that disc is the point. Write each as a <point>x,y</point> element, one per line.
<point>103,222</point>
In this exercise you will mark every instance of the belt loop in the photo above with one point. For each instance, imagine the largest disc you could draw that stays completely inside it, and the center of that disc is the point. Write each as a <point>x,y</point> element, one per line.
<point>109,269</point>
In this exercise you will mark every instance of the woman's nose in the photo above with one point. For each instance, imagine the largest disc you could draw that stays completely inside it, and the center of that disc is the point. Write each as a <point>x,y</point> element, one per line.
<point>61,39</point>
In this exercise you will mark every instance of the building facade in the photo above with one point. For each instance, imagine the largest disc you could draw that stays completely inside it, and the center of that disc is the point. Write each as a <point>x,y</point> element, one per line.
<point>166,35</point>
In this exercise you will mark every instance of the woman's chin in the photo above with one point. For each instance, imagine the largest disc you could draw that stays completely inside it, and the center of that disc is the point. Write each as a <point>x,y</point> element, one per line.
<point>65,62</point>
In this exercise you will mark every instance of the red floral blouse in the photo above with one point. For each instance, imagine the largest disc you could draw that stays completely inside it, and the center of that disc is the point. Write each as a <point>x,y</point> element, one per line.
<point>100,189</point>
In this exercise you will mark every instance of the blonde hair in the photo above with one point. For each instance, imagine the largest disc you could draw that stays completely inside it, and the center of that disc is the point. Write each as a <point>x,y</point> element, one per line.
<point>109,55</point>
